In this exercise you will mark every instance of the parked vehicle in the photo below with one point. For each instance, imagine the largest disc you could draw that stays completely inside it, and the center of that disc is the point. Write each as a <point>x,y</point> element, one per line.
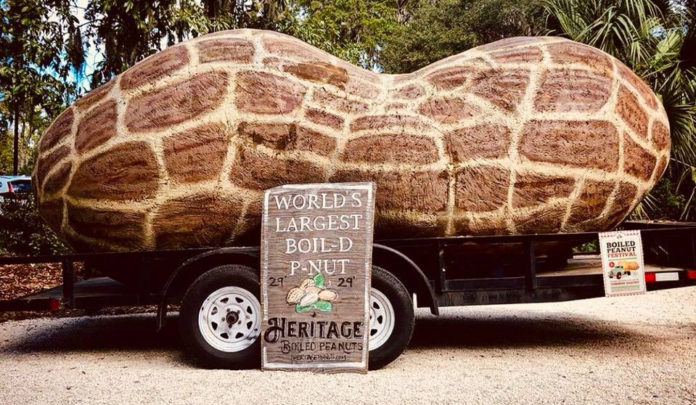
<point>430,272</point>
<point>13,185</point>
<point>622,268</point>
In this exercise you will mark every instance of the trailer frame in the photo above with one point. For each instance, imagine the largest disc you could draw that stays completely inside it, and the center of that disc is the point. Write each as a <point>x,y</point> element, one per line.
<point>669,246</point>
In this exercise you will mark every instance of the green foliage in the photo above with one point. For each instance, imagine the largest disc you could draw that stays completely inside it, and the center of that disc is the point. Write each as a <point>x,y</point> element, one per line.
<point>37,41</point>
<point>439,29</point>
<point>616,26</point>
<point>353,30</point>
<point>587,247</point>
<point>656,40</point>
<point>23,232</point>
<point>668,200</point>
<point>6,152</point>
<point>129,31</point>
<point>665,202</point>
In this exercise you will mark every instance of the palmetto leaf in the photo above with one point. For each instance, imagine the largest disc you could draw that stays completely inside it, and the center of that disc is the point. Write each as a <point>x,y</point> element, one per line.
<point>654,40</point>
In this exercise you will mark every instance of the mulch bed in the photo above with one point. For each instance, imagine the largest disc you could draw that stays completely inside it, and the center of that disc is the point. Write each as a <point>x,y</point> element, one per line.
<point>18,280</point>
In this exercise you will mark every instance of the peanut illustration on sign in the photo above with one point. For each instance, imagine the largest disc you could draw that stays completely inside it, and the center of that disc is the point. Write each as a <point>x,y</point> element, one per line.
<point>311,294</point>
<point>629,264</point>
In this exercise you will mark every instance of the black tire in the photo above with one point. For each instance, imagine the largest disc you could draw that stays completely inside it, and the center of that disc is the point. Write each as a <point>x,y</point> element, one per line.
<point>628,273</point>
<point>618,276</point>
<point>194,343</point>
<point>400,300</point>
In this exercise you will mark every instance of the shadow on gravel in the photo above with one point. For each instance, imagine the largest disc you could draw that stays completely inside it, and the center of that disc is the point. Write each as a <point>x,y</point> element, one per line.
<point>522,330</point>
<point>123,332</point>
<point>519,329</point>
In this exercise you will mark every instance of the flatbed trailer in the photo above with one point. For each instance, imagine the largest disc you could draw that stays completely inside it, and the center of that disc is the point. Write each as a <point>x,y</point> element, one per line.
<point>435,271</point>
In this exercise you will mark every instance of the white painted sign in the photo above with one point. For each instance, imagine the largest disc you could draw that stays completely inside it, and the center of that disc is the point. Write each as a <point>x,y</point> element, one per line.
<point>622,262</point>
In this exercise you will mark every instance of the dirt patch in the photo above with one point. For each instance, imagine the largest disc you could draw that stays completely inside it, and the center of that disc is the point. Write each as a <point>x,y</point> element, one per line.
<point>19,280</point>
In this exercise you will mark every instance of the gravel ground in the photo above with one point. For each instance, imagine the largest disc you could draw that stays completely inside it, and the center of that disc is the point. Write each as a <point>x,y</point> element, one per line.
<point>633,349</point>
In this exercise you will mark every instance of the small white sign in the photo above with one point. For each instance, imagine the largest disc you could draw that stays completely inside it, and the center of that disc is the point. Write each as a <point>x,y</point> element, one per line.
<point>622,262</point>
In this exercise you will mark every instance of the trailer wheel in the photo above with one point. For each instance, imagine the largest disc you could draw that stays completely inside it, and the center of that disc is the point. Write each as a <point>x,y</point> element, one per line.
<point>220,318</point>
<point>391,318</point>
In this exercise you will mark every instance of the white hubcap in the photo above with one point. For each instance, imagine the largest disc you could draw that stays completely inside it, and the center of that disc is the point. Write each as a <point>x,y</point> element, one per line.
<point>381,319</point>
<point>229,319</point>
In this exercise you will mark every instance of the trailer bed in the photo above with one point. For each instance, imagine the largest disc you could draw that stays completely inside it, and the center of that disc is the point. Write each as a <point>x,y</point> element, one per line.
<point>582,265</point>
<point>581,278</point>
<point>669,248</point>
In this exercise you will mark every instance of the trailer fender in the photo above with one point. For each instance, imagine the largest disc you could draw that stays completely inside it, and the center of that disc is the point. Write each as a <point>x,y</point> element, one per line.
<point>192,268</point>
<point>408,272</point>
<point>391,259</point>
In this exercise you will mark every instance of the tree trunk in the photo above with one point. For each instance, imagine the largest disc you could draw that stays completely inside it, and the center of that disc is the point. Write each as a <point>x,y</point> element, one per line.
<point>15,156</point>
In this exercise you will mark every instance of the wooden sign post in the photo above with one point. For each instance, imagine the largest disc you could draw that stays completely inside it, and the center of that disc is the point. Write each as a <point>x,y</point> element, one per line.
<point>316,260</point>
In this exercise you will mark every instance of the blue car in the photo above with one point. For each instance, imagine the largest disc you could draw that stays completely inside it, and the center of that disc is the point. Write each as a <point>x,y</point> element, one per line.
<point>14,185</point>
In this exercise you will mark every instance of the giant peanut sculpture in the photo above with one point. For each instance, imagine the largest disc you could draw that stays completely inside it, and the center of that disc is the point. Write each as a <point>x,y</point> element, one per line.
<point>522,135</point>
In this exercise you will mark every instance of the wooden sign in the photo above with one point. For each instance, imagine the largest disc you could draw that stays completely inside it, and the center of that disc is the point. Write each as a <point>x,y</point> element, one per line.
<point>316,260</point>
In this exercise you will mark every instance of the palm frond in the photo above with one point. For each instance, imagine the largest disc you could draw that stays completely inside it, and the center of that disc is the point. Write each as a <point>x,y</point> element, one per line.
<point>656,40</point>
